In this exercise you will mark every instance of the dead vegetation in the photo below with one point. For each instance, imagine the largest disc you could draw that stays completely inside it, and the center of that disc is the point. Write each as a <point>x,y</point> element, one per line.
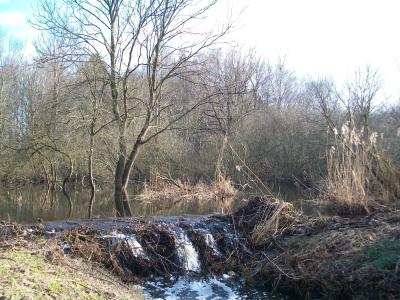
<point>322,257</point>
<point>360,179</point>
<point>220,195</point>
<point>157,250</point>
<point>267,219</point>
<point>270,220</point>
<point>117,256</point>
<point>336,263</point>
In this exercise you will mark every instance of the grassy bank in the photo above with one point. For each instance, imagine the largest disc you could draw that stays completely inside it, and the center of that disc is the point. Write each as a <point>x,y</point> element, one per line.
<point>38,269</point>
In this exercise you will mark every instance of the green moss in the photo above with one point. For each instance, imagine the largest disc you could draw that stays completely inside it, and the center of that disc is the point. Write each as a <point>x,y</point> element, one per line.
<point>384,254</point>
<point>295,243</point>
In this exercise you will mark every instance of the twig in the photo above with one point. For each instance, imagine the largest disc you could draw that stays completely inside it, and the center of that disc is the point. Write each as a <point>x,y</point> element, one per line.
<point>279,268</point>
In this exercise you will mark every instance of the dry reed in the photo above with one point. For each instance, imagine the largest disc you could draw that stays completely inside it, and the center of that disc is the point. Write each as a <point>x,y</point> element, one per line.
<point>358,176</point>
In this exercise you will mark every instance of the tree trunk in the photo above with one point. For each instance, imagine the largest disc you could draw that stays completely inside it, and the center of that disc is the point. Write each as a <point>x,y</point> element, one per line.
<point>218,176</point>
<point>53,176</point>
<point>46,179</point>
<point>64,186</point>
<point>122,175</point>
<point>118,186</point>
<point>121,198</point>
<point>91,179</point>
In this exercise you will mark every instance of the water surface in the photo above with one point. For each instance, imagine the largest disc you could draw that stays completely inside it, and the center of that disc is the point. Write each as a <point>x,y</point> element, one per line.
<point>28,203</point>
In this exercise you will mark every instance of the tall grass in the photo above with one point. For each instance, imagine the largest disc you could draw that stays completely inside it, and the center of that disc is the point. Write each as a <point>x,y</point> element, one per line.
<point>359,178</point>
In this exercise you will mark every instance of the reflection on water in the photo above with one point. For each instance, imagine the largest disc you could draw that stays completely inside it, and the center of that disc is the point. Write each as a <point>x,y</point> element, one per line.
<point>300,198</point>
<point>29,203</point>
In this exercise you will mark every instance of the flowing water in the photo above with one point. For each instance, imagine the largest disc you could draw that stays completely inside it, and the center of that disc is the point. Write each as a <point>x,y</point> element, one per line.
<point>213,288</point>
<point>188,255</point>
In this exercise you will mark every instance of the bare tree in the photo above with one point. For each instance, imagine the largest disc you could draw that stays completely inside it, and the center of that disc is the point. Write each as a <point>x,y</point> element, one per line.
<point>280,89</point>
<point>324,95</point>
<point>361,93</point>
<point>152,38</point>
<point>237,78</point>
<point>92,85</point>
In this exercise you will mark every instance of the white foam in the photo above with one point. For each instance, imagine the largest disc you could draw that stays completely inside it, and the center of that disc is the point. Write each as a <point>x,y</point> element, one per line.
<point>212,243</point>
<point>115,235</point>
<point>135,247</point>
<point>196,289</point>
<point>187,253</point>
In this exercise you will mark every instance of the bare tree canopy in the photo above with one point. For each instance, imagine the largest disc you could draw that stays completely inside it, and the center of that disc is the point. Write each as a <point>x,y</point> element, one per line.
<point>144,44</point>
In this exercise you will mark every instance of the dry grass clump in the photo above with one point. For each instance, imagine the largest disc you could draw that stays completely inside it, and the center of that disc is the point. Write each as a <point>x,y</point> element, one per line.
<point>220,195</point>
<point>359,178</point>
<point>275,219</point>
<point>266,218</point>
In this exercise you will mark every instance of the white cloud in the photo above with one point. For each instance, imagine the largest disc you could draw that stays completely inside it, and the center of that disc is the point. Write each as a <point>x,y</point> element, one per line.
<point>12,18</point>
<point>3,1</point>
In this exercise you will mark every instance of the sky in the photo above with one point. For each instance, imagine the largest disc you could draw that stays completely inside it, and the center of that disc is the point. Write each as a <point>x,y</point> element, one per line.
<point>317,38</point>
<point>14,16</point>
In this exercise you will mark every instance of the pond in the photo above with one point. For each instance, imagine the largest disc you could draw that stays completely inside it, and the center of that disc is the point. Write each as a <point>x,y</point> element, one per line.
<point>28,203</point>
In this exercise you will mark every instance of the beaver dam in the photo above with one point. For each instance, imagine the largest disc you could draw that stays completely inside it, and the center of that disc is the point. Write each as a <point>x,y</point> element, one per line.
<point>264,250</point>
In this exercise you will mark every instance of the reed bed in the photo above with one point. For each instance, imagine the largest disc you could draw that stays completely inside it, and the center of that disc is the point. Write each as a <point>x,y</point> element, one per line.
<point>359,178</point>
